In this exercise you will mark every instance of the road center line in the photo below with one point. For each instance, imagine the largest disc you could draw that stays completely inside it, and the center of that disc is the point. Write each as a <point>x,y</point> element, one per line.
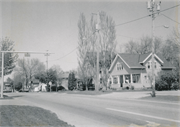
<point>143,115</point>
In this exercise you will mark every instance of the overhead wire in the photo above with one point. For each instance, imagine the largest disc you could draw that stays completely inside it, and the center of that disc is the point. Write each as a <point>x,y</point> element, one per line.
<point>124,24</point>
<point>72,50</point>
<point>170,18</point>
<point>147,15</point>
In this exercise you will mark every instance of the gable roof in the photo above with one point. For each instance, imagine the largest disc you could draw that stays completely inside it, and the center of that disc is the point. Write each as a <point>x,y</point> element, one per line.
<point>131,60</point>
<point>166,63</point>
<point>134,60</point>
<point>145,57</point>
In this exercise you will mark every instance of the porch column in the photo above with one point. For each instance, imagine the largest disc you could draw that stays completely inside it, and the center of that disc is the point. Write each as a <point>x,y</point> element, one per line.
<point>131,76</point>
<point>118,80</point>
<point>124,79</point>
<point>111,80</point>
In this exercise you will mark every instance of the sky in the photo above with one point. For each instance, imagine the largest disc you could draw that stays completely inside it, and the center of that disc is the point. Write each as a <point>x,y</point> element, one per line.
<point>41,25</point>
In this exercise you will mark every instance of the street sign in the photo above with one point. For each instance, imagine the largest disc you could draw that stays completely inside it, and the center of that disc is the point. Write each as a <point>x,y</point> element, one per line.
<point>27,54</point>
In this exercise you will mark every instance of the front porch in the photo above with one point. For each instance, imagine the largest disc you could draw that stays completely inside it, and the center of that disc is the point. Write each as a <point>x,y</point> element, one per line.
<point>127,80</point>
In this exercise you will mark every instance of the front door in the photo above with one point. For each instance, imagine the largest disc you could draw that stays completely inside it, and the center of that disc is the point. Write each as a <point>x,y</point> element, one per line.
<point>121,80</point>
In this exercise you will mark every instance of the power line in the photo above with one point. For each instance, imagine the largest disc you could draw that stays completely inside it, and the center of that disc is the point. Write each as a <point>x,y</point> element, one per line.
<point>132,20</point>
<point>73,49</point>
<point>146,16</point>
<point>65,55</point>
<point>169,8</point>
<point>122,24</point>
<point>170,18</point>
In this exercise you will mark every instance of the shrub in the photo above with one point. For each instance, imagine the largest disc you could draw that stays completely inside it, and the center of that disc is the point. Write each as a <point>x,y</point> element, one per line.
<point>165,80</point>
<point>71,81</point>
<point>161,85</point>
<point>132,87</point>
<point>18,86</point>
<point>175,86</point>
<point>81,86</point>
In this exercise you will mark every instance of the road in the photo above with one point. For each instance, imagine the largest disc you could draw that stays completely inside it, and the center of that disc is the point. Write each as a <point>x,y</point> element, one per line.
<point>101,111</point>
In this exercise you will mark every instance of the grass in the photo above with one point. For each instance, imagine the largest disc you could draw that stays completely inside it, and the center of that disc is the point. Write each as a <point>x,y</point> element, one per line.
<point>5,97</point>
<point>100,92</point>
<point>13,115</point>
<point>87,92</point>
<point>163,98</point>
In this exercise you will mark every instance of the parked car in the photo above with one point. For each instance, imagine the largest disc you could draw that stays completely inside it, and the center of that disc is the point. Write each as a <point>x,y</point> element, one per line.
<point>91,87</point>
<point>59,88</point>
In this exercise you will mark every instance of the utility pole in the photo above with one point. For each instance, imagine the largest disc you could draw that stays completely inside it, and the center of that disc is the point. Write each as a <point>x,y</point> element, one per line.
<point>2,75</point>
<point>99,39</point>
<point>48,82</point>
<point>3,52</point>
<point>151,6</point>
<point>47,54</point>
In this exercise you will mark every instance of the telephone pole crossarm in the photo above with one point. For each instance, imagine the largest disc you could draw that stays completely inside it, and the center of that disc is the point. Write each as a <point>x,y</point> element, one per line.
<point>2,68</point>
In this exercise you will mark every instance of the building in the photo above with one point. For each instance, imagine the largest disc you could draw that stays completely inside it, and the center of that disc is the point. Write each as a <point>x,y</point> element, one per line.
<point>135,69</point>
<point>64,80</point>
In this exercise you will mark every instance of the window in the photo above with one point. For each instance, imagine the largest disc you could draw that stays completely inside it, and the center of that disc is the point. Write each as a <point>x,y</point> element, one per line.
<point>100,80</point>
<point>119,66</point>
<point>115,80</point>
<point>127,79</point>
<point>136,78</point>
<point>149,65</point>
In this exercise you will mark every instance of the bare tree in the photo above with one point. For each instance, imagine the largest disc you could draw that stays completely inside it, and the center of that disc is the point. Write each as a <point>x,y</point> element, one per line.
<point>9,58</point>
<point>89,43</point>
<point>83,47</point>
<point>107,44</point>
<point>28,68</point>
<point>143,45</point>
<point>171,53</point>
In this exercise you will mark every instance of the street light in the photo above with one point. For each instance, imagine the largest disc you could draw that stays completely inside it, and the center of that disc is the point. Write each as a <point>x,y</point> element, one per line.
<point>165,26</point>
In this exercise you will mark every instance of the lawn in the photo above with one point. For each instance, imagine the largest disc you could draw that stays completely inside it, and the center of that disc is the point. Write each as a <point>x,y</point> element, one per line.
<point>163,98</point>
<point>99,92</point>
<point>13,115</point>
<point>86,92</point>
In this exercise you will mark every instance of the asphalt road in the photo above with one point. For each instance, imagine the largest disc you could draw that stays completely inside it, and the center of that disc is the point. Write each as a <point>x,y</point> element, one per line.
<point>101,111</point>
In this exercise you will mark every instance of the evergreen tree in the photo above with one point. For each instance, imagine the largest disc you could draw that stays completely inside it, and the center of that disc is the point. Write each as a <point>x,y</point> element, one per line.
<point>71,81</point>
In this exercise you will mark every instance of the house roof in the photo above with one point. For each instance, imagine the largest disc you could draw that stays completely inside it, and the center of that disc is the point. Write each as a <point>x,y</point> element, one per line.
<point>166,64</point>
<point>35,81</point>
<point>64,75</point>
<point>134,60</point>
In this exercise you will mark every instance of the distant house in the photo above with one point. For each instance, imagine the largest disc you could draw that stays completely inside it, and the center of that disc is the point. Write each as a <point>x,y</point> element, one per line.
<point>64,80</point>
<point>134,69</point>
<point>35,82</point>
<point>7,86</point>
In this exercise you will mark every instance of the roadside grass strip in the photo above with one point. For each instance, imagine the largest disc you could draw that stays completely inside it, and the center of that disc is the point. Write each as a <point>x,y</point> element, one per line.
<point>15,115</point>
<point>139,114</point>
<point>155,101</point>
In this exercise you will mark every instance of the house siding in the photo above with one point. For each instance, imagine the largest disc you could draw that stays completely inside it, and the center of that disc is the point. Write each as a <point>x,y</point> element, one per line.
<point>156,70</point>
<point>131,74</point>
<point>119,72</point>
